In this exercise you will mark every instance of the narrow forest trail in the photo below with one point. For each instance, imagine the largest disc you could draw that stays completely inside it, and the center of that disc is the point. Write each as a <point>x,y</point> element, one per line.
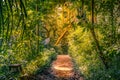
<point>63,66</point>
<point>61,69</point>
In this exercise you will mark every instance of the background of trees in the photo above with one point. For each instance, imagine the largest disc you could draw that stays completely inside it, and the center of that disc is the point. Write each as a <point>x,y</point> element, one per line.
<point>89,30</point>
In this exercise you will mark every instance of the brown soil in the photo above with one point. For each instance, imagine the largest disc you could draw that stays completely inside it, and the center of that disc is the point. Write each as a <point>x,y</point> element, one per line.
<point>61,69</point>
<point>63,66</point>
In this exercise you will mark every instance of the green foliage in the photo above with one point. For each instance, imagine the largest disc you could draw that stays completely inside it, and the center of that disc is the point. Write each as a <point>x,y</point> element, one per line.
<point>41,61</point>
<point>25,24</point>
<point>30,66</point>
<point>82,49</point>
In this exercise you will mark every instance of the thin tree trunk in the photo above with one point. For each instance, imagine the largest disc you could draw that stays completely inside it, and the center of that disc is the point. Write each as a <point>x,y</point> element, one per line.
<point>82,7</point>
<point>112,24</point>
<point>1,17</point>
<point>62,35</point>
<point>37,31</point>
<point>96,40</point>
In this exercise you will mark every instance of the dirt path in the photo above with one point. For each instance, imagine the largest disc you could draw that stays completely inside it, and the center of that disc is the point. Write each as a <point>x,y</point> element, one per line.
<point>61,69</point>
<point>63,66</point>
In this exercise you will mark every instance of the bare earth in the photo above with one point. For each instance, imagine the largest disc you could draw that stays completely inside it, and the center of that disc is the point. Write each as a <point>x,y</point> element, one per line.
<point>61,69</point>
<point>63,66</point>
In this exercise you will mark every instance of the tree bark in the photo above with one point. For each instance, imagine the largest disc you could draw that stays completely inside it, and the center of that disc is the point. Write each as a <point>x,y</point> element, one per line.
<point>62,35</point>
<point>37,30</point>
<point>112,24</point>
<point>101,55</point>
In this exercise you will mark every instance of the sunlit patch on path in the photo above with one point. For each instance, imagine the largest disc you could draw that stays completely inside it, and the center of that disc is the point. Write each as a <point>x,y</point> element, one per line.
<point>61,69</point>
<point>63,66</point>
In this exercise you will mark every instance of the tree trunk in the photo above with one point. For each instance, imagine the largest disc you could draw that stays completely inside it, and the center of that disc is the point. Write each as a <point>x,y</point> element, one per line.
<point>62,35</point>
<point>113,31</point>
<point>37,31</point>
<point>96,40</point>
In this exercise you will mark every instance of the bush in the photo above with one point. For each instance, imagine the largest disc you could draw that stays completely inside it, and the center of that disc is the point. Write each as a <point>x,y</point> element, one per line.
<point>87,59</point>
<point>29,66</point>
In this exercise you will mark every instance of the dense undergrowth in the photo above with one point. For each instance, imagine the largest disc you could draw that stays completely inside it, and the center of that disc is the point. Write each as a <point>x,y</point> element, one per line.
<point>29,66</point>
<point>87,59</point>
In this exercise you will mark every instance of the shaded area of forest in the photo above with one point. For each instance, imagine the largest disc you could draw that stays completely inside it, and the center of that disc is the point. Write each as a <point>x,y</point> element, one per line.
<point>34,32</point>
